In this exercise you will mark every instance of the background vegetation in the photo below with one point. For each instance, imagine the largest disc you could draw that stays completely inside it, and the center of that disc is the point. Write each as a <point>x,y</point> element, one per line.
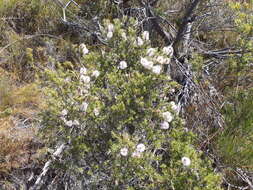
<point>94,100</point>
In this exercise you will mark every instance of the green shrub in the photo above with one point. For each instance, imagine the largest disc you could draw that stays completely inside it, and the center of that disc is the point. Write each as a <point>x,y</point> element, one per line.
<point>233,144</point>
<point>29,16</point>
<point>121,130</point>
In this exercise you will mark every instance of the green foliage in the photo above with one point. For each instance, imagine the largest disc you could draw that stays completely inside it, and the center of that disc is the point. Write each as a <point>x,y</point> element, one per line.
<point>235,142</point>
<point>111,114</point>
<point>28,16</point>
<point>232,144</point>
<point>244,24</point>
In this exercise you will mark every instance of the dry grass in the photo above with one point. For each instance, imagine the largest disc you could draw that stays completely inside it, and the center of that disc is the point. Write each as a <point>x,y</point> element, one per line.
<point>18,108</point>
<point>15,143</point>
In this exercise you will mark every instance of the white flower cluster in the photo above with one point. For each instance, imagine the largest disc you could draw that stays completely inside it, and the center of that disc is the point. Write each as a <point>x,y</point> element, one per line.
<point>95,73</point>
<point>157,69</point>
<point>124,36</point>
<point>175,107</point>
<point>168,117</point>
<point>124,151</point>
<point>163,60</point>
<point>168,50</point>
<point>68,123</point>
<point>165,125</point>
<point>148,63</point>
<point>139,149</point>
<point>144,37</point>
<point>186,161</point>
<point>140,42</point>
<point>110,28</point>
<point>64,113</point>
<point>85,78</point>
<point>151,52</point>
<point>84,49</point>
<point>123,65</point>
<point>84,106</point>
<point>96,112</point>
<point>83,71</point>
<point>136,154</point>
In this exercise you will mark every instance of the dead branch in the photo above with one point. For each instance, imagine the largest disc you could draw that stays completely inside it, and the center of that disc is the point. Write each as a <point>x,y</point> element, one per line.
<point>47,165</point>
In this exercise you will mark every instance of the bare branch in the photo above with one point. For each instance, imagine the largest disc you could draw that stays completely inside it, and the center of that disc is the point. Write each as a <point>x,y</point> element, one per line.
<point>47,165</point>
<point>182,29</point>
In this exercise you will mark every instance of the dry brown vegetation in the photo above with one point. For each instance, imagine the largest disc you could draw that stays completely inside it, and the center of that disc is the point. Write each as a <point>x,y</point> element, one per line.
<point>19,105</point>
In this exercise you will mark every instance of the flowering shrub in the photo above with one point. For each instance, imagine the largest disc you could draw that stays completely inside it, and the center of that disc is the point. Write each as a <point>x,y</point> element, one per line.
<point>121,130</point>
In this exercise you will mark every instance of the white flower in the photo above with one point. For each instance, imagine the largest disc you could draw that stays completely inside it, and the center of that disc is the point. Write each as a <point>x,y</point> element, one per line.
<point>109,35</point>
<point>123,65</point>
<point>64,112</point>
<point>160,59</point>
<point>95,73</point>
<point>151,52</point>
<point>110,27</point>
<point>146,63</point>
<point>123,35</point>
<point>84,106</point>
<point>174,106</point>
<point>167,116</point>
<point>76,122</point>
<point>157,69</point>
<point>168,50</point>
<point>84,91</point>
<point>83,70</point>
<point>96,112</point>
<point>172,90</point>
<point>140,148</point>
<point>139,41</point>
<point>124,151</point>
<point>63,119</point>
<point>145,35</point>
<point>84,49</point>
<point>165,125</point>
<point>136,154</point>
<point>85,79</point>
<point>186,161</point>
<point>69,123</point>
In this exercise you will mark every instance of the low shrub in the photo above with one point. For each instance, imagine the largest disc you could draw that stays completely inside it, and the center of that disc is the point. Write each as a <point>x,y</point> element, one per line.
<point>113,113</point>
